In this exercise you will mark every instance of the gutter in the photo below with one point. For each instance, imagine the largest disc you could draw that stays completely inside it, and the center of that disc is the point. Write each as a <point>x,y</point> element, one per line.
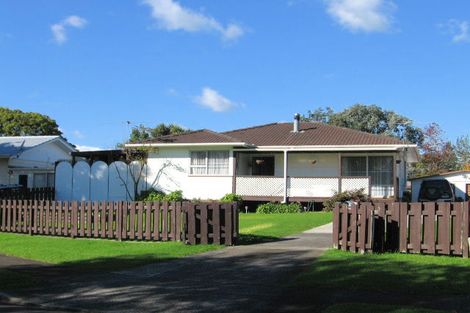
<point>163,145</point>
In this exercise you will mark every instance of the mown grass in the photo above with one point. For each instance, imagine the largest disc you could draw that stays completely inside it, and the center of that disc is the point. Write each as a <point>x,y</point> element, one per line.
<point>389,282</point>
<point>265,227</point>
<point>99,255</point>
<point>60,250</point>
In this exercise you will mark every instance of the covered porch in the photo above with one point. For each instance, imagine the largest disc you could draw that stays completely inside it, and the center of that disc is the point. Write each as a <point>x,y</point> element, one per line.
<point>309,176</point>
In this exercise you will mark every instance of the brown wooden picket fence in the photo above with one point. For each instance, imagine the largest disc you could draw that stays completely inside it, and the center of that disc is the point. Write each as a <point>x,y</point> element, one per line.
<point>193,223</point>
<point>428,228</point>
<point>47,193</point>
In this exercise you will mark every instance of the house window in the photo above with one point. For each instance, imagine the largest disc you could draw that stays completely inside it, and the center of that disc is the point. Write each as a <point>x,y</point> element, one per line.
<point>379,168</point>
<point>41,180</point>
<point>354,166</point>
<point>381,175</point>
<point>209,163</point>
<point>262,166</point>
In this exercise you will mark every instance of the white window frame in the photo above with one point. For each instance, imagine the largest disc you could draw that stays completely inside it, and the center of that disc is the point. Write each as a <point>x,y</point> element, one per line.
<point>49,179</point>
<point>206,165</point>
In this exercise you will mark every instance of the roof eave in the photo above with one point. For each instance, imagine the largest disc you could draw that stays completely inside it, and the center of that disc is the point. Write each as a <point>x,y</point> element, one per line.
<point>168,145</point>
<point>392,147</point>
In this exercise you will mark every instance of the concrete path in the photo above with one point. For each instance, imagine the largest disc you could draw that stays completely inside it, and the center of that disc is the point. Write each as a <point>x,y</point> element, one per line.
<point>235,279</point>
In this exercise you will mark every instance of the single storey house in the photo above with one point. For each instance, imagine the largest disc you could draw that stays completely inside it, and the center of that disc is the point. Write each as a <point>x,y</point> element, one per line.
<point>296,161</point>
<point>460,180</point>
<point>30,161</point>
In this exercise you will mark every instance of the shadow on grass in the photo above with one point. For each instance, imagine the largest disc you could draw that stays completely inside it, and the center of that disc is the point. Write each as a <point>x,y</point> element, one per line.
<point>429,282</point>
<point>236,282</point>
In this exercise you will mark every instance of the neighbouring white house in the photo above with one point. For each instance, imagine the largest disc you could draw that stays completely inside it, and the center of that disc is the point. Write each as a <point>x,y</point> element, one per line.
<point>296,161</point>
<point>30,161</point>
<point>460,180</point>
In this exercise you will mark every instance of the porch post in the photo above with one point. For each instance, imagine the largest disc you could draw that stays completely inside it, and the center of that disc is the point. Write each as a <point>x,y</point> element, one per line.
<point>285,175</point>
<point>234,172</point>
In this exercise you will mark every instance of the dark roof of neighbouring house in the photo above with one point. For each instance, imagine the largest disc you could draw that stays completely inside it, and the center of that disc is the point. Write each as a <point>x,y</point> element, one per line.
<point>11,145</point>
<point>281,134</point>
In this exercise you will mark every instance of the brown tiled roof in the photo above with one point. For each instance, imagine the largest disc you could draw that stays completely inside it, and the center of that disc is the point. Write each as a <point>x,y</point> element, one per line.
<point>311,134</point>
<point>280,134</point>
<point>197,136</point>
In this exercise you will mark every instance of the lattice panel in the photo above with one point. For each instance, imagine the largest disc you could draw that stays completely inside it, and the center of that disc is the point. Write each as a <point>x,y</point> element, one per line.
<point>312,187</point>
<point>260,186</point>
<point>355,183</point>
<point>382,191</point>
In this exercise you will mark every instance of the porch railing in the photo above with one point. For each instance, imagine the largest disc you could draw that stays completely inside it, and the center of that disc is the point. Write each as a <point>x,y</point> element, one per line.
<point>303,187</point>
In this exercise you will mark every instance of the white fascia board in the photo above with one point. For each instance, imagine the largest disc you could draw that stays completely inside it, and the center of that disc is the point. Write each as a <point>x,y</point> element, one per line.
<point>162,145</point>
<point>332,148</point>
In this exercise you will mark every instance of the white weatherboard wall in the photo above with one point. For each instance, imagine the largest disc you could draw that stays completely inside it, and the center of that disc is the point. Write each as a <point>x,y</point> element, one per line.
<point>169,170</point>
<point>313,165</point>
<point>459,180</point>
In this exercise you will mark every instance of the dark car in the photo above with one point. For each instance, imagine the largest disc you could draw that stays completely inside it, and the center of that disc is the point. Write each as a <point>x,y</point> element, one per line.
<point>436,190</point>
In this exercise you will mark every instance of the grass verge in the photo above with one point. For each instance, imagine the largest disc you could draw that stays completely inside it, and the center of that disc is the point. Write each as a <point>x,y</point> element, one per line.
<point>397,282</point>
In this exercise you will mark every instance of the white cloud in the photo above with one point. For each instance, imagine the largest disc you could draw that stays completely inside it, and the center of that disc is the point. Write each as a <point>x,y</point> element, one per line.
<point>459,30</point>
<point>362,15</point>
<point>171,16</point>
<point>87,148</point>
<point>214,100</point>
<point>59,30</point>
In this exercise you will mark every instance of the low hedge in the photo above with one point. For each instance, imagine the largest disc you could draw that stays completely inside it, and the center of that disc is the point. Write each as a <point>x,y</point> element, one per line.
<point>270,208</point>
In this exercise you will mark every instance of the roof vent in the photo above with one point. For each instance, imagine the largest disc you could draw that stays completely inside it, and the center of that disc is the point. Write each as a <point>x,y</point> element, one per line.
<point>296,123</point>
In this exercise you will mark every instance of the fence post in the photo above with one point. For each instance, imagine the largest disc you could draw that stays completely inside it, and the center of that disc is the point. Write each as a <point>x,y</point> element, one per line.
<point>178,228</point>
<point>203,221</point>
<point>228,224</point>
<point>336,222</point>
<point>465,226</point>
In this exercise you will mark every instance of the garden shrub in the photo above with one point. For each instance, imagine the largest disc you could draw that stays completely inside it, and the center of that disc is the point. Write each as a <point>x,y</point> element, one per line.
<point>231,197</point>
<point>342,197</point>
<point>156,195</point>
<point>269,208</point>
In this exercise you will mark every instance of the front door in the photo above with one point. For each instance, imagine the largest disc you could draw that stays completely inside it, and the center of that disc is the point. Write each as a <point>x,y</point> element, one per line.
<point>262,166</point>
<point>23,181</point>
<point>467,191</point>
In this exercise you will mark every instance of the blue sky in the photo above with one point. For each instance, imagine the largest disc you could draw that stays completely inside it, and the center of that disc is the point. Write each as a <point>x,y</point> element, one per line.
<point>94,65</point>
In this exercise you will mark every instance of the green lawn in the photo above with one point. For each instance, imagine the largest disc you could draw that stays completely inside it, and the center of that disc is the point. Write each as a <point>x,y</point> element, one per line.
<point>97,255</point>
<point>265,227</point>
<point>60,250</point>
<point>383,281</point>
<point>83,256</point>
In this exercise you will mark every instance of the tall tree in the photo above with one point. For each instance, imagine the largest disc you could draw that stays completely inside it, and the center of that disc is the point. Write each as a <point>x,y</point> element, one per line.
<point>369,118</point>
<point>437,154</point>
<point>19,123</point>
<point>142,133</point>
<point>462,152</point>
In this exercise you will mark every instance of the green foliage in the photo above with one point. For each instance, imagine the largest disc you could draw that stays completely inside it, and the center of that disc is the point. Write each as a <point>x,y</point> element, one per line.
<point>176,195</point>
<point>270,208</point>
<point>371,119</point>
<point>19,123</point>
<point>354,195</point>
<point>142,133</point>
<point>437,154</point>
<point>231,197</point>
<point>462,152</point>
<point>156,195</point>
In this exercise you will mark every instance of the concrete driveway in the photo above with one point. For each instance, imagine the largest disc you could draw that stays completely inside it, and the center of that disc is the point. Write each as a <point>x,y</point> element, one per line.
<point>236,279</point>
